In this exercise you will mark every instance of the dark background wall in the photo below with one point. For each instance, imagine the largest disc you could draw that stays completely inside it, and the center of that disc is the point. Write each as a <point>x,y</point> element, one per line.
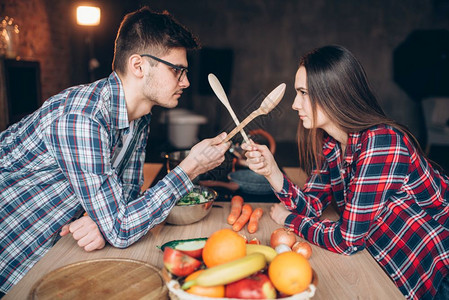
<point>265,39</point>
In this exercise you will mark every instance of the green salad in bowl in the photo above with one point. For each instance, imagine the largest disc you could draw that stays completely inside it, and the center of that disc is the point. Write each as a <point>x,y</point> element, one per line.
<point>196,197</point>
<point>192,207</point>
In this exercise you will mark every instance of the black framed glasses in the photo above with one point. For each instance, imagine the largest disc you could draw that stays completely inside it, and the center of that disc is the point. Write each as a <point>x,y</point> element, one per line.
<point>182,71</point>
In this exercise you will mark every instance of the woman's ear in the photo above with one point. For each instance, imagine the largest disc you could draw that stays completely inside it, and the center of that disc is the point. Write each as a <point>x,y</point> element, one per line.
<point>135,65</point>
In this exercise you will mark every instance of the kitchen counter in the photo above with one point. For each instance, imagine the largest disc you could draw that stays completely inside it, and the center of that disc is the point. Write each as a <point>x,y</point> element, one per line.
<point>339,277</point>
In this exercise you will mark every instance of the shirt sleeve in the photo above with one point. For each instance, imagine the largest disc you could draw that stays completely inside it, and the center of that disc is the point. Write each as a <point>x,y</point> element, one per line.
<point>81,148</point>
<point>313,199</point>
<point>380,171</point>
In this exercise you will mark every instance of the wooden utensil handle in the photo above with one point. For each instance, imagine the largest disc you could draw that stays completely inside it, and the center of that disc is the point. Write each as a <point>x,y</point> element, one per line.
<point>242,125</point>
<point>237,123</point>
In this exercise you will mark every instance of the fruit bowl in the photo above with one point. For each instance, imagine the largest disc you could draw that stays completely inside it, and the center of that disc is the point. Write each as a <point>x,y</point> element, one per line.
<point>176,293</point>
<point>191,213</point>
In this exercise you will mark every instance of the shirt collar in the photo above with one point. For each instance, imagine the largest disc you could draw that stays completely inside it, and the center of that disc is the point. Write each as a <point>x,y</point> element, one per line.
<point>330,145</point>
<point>353,146</point>
<point>119,113</point>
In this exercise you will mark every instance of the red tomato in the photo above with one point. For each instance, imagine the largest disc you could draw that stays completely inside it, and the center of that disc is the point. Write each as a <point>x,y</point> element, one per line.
<point>178,263</point>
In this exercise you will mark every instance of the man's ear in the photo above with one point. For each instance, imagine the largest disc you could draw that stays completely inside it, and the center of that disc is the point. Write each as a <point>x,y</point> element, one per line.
<point>135,65</point>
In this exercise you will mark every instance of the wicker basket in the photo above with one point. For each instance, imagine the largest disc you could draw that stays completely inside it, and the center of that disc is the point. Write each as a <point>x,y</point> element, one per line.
<point>176,293</point>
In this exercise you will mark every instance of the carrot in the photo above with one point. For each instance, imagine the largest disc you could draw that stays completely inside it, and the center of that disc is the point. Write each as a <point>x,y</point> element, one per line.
<point>244,217</point>
<point>254,220</point>
<point>236,209</point>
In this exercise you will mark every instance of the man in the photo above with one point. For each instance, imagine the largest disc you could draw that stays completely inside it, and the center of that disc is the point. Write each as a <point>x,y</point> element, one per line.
<point>84,149</point>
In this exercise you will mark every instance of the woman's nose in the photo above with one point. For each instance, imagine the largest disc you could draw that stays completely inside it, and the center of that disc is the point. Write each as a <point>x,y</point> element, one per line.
<point>296,104</point>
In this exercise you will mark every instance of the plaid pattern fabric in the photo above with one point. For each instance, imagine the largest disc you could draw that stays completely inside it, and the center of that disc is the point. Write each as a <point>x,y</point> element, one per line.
<point>391,202</point>
<point>57,161</point>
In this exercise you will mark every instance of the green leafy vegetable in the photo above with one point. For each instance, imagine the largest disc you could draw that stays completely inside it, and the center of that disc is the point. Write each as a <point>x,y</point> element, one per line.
<point>195,198</point>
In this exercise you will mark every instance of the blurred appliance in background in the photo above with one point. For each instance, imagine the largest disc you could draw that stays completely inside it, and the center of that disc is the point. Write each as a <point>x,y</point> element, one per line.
<point>421,64</point>
<point>421,69</point>
<point>183,126</point>
<point>436,113</point>
<point>20,90</point>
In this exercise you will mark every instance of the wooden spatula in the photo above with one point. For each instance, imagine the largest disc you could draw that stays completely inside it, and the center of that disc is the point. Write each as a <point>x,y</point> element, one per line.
<point>267,105</point>
<point>221,95</point>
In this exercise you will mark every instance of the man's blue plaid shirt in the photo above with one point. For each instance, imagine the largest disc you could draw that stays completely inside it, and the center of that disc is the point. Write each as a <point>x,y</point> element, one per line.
<point>58,161</point>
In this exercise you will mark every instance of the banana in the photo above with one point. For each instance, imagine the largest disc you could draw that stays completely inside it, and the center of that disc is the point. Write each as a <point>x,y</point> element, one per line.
<point>229,272</point>
<point>269,252</point>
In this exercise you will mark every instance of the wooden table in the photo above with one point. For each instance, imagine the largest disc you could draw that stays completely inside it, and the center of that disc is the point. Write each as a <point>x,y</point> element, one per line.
<point>339,277</point>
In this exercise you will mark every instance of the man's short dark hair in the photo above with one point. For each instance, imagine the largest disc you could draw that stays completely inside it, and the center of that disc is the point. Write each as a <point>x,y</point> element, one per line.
<point>145,31</point>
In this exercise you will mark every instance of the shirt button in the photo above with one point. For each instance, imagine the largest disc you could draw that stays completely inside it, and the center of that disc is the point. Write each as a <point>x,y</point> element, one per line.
<point>354,248</point>
<point>342,171</point>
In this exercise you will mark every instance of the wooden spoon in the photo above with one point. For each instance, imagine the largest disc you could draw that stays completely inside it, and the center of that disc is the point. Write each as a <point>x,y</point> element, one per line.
<point>219,91</point>
<point>267,105</point>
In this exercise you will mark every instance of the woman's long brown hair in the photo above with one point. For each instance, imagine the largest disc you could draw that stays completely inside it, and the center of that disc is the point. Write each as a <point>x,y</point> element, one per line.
<point>337,83</point>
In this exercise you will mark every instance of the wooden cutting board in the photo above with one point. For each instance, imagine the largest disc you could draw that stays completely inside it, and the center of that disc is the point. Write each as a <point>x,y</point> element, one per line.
<point>102,279</point>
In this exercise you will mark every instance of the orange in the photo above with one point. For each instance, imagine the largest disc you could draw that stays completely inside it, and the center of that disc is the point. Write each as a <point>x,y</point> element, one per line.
<point>290,273</point>
<point>223,246</point>
<point>210,291</point>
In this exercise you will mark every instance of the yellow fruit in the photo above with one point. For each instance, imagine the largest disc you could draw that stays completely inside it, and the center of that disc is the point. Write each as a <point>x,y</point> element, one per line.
<point>223,246</point>
<point>229,272</point>
<point>217,291</point>
<point>290,273</point>
<point>269,252</point>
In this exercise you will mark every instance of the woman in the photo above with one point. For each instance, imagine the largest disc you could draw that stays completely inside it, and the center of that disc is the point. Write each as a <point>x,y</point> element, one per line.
<point>391,200</point>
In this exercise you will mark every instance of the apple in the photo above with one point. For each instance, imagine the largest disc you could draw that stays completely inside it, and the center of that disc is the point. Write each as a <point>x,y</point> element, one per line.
<point>256,286</point>
<point>178,263</point>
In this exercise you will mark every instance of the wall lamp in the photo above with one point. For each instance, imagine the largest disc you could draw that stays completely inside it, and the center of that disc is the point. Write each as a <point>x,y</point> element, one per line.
<point>88,15</point>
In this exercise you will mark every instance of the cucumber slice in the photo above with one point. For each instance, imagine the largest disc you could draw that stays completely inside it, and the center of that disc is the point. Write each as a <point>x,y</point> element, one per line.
<point>192,247</point>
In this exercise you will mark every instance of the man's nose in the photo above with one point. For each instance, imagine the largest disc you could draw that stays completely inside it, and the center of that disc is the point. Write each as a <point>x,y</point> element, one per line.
<point>185,83</point>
